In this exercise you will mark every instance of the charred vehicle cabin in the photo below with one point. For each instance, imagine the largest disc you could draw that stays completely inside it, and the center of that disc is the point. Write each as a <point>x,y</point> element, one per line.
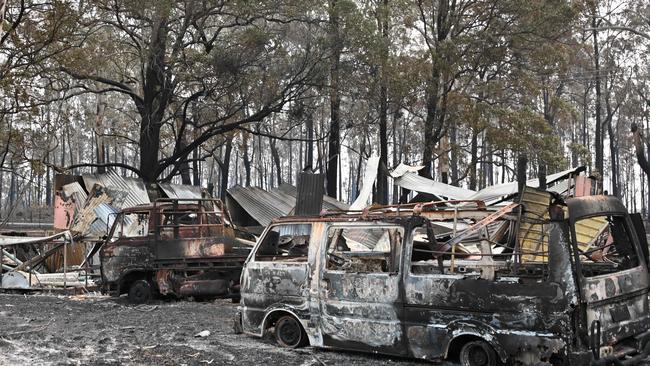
<point>539,280</point>
<point>176,247</point>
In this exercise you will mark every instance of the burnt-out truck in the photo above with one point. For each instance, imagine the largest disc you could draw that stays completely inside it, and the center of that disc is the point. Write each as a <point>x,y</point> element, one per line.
<point>172,247</point>
<point>540,281</point>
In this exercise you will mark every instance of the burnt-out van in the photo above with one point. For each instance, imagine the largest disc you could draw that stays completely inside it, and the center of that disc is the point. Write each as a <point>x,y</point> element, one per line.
<point>538,281</point>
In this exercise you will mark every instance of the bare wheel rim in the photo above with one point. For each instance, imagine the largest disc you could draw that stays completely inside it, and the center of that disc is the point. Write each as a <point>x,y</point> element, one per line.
<point>288,332</point>
<point>140,291</point>
<point>477,354</point>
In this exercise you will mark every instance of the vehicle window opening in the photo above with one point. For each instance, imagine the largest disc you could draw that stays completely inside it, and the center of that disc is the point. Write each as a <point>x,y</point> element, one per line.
<point>364,249</point>
<point>131,225</point>
<point>193,221</point>
<point>502,249</point>
<point>605,245</point>
<point>285,243</point>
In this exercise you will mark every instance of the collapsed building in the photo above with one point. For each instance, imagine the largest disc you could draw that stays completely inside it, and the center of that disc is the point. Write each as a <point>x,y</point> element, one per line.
<point>86,206</point>
<point>84,209</point>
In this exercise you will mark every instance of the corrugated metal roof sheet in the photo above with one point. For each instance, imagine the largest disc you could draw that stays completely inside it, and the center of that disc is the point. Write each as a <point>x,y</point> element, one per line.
<point>561,187</point>
<point>368,181</point>
<point>76,192</point>
<point>263,206</point>
<point>309,200</point>
<point>134,189</point>
<point>105,215</point>
<point>329,203</point>
<point>495,192</point>
<point>86,217</point>
<point>402,169</point>
<point>588,230</point>
<point>533,233</point>
<point>405,176</point>
<point>19,240</point>
<point>409,180</point>
<point>181,191</point>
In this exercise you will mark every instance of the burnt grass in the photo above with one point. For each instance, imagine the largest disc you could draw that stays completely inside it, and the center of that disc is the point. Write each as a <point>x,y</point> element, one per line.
<point>95,330</point>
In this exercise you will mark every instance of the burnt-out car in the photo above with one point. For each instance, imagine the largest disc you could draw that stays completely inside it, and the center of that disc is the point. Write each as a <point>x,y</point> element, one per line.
<point>539,281</point>
<point>172,247</point>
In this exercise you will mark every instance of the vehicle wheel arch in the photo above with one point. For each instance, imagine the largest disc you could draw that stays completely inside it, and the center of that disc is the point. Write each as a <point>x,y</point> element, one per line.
<point>465,334</point>
<point>274,314</point>
<point>131,276</point>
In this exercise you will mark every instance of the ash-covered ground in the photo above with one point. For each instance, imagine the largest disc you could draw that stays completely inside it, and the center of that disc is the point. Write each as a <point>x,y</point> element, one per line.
<point>96,330</point>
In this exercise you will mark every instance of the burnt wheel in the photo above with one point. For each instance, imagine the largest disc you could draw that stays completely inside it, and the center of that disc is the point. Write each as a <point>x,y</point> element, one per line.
<point>477,353</point>
<point>289,333</point>
<point>140,292</point>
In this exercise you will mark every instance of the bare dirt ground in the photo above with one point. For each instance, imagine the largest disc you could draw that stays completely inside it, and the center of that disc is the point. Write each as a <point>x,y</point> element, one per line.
<point>63,330</point>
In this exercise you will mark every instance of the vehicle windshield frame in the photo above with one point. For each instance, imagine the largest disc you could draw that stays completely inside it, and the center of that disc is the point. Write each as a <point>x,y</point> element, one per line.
<point>629,229</point>
<point>119,219</point>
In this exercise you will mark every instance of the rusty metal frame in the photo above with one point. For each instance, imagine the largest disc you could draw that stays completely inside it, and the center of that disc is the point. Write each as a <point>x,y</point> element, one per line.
<point>482,223</point>
<point>28,265</point>
<point>182,205</point>
<point>415,208</point>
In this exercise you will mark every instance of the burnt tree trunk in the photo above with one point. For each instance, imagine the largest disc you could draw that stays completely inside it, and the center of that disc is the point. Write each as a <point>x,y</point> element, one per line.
<point>99,134</point>
<point>63,147</point>
<point>13,187</point>
<point>522,166</point>
<point>382,176</point>
<point>309,149</point>
<point>430,138</point>
<point>436,89</point>
<point>541,175</point>
<point>196,170</point>
<point>334,142</point>
<point>276,161</point>
<point>247,158</point>
<point>598,135</point>
<point>225,168</point>
<point>196,177</point>
<point>2,178</point>
<point>453,165</point>
<point>443,161</point>
<point>640,150</point>
<point>157,91</point>
<point>613,148</point>
<point>397,154</point>
<point>48,184</point>
<point>473,160</point>
<point>184,166</point>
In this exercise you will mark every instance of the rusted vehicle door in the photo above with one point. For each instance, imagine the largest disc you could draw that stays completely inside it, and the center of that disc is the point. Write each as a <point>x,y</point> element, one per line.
<point>360,296</point>
<point>277,276</point>
<point>614,275</point>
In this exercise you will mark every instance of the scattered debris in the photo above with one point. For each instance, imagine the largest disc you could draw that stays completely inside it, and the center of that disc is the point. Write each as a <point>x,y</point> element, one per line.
<point>202,334</point>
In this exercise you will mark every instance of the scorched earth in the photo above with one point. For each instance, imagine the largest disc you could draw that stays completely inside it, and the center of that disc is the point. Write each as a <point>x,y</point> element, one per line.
<point>96,330</point>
